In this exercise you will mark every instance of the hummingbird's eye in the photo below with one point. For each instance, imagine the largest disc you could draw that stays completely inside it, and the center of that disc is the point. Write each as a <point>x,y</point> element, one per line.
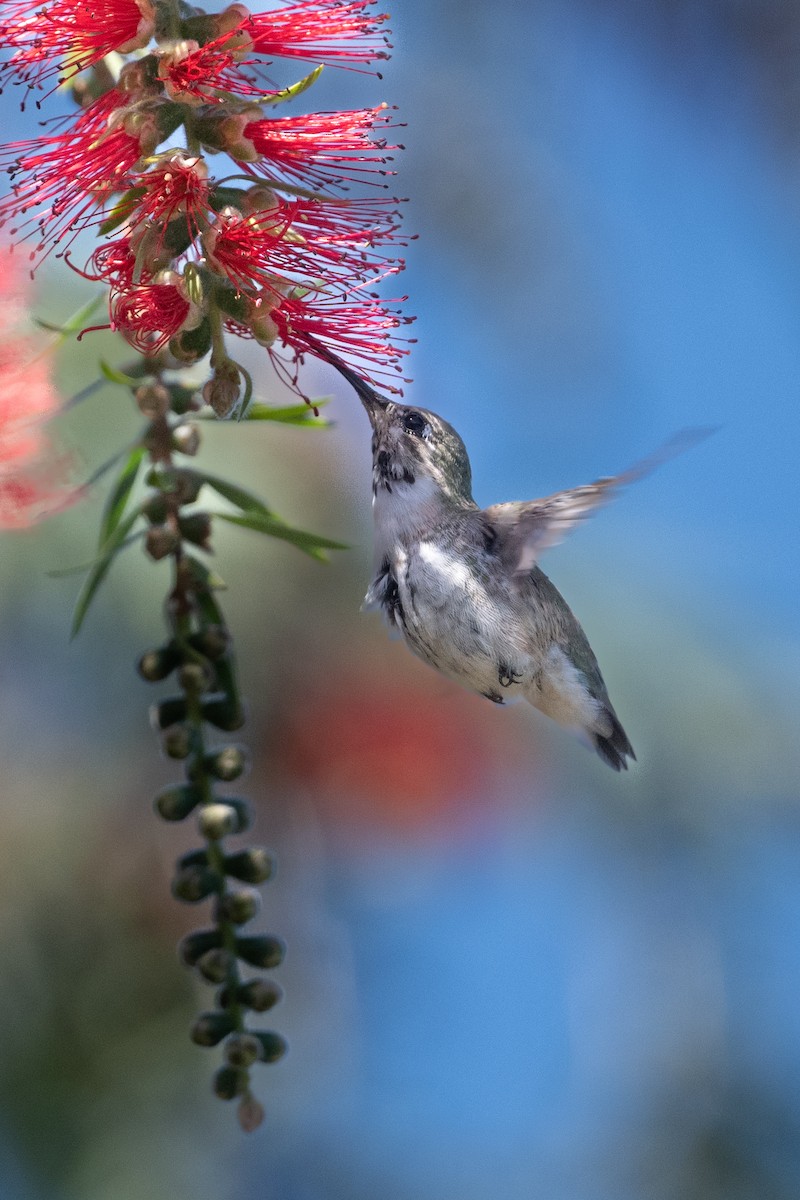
<point>414,422</point>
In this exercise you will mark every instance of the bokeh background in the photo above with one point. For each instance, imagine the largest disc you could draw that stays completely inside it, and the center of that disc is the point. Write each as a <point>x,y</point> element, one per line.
<point>511,973</point>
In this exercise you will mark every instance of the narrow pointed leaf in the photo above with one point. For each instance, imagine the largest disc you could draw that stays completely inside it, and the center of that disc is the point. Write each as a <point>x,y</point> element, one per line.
<point>294,89</point>
<point>100,570</point>
<point>292,414</point>
<point>122,209</point>
<point>82,568</point>
<point>74,323</point>
<point>118,498</point>
<point>268,523</point>
<point>114,375</point>
<point>209,582</point>
<point>243,499</point>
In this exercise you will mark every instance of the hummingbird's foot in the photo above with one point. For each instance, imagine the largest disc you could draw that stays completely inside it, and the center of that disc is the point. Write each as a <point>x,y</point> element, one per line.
<point>495,697</point>
<point>506,676</point>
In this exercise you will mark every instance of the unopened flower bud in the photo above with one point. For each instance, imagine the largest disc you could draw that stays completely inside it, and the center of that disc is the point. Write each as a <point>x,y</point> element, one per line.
<point>260,994</point>
<point>196,944</point>
<point>193,858</point>
<point>249,1113</point>
<point>161,541</point>
<point>168,712</point>
<point>194,883</point>
<point>216,821</point>
<point>222,390</point>
<point>212,641</point>
<point>223,713</point>
<point>193,678</point>
<point>177,742</point>
<point>227,764</point>
<point>211,1027</point>
<point>261,951</point>
<point>175,803</point>
<point>237,907</point>
<point>190,345</point>
<point>196,528</point>
<point>259,199</point>
<point>155,665</point>
<point>255,865</point>
<point>229,1082</point>
<point>155,509</point>
<point>242,1050</point>
<point>153,400</point>
<point>186,438</point>
<point>273,1046</point>
<point>214,965</point>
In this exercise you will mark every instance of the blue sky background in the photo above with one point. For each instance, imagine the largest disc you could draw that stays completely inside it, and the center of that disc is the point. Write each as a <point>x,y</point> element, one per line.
<point>513,974</point>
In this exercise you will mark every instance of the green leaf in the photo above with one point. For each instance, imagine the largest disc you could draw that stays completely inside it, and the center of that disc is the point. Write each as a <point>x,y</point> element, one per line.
<point>82,568</point>
<point>100,569</point>
<point>268,523</point>
<point>74,323</point>
<point>122,209</point>
<point>294,89</point>
<point>244,500</point>
<point>118,498</point>
<point>292,414</point>
<point>114,375</point>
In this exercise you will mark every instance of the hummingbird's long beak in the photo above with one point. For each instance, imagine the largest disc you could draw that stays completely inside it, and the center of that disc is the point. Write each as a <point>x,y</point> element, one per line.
<point>372,402</point>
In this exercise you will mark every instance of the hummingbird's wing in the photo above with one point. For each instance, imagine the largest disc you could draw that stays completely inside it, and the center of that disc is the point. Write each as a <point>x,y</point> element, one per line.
<point>526,528</point>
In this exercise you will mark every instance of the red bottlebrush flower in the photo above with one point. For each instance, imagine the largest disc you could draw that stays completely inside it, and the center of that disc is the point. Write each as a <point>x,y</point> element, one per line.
<point>149,315</point>
<point>339,34</point>
<point>294,241</point>
<point>32,476</point>
<point>357,328</point>
<point>70,35</point>
<point>318,146</point>
<point>76,172</point>
<point>194,74</point>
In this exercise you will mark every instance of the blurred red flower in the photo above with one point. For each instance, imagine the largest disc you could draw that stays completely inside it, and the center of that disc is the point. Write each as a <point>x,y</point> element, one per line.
<point>32,475</point>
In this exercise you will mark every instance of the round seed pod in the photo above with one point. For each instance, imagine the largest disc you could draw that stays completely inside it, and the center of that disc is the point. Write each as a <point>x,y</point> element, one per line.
<point>261,951</point>
<point>175,803</point>
<point>273,1046</point>
<point>237,907</point>
<point>196,944</point>
<point>210,1028</point>
<point>229,1082</point>
<point>255,865</point>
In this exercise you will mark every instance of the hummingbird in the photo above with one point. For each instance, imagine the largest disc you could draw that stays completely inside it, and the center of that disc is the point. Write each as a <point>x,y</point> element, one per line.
<point>462,584</point>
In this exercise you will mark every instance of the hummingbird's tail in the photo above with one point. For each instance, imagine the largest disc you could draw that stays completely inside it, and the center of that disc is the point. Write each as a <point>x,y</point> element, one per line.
<point>614,748</point>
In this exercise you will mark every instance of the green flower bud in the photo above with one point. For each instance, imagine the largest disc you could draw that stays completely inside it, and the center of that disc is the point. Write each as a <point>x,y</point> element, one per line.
<point>190,345</point>
<point>229,1082</point>
<point>214,965</point>
<point>223,713</point>
<point>260,994</point>
<point>196,528</point>
<point>194,883</point>
<point>255,865</point>
<point>216,821</point>
<point>261,951</point>
<point>237,907</point>
<point>175,803</point>
<point>194,945</point>
<point>242,1050</point>
<point>177,742</point>
<point>210,1028</point>
<point>213,641</point>
<point>155,509</point>
<point>155,665</point>
<point>182,400</point>
<point>227,764</point>
<point>168,712</point>
<point>193,678</point>
<point>193,858</point>
<point>273,1046</point>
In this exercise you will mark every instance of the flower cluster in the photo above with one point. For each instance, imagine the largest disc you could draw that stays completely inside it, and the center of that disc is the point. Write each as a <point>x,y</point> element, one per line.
<point>32,474</point>
<point>278,249</point>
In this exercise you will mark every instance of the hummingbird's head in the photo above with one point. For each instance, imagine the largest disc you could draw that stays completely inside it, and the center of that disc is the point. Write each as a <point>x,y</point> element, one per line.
<point>412,444</point>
